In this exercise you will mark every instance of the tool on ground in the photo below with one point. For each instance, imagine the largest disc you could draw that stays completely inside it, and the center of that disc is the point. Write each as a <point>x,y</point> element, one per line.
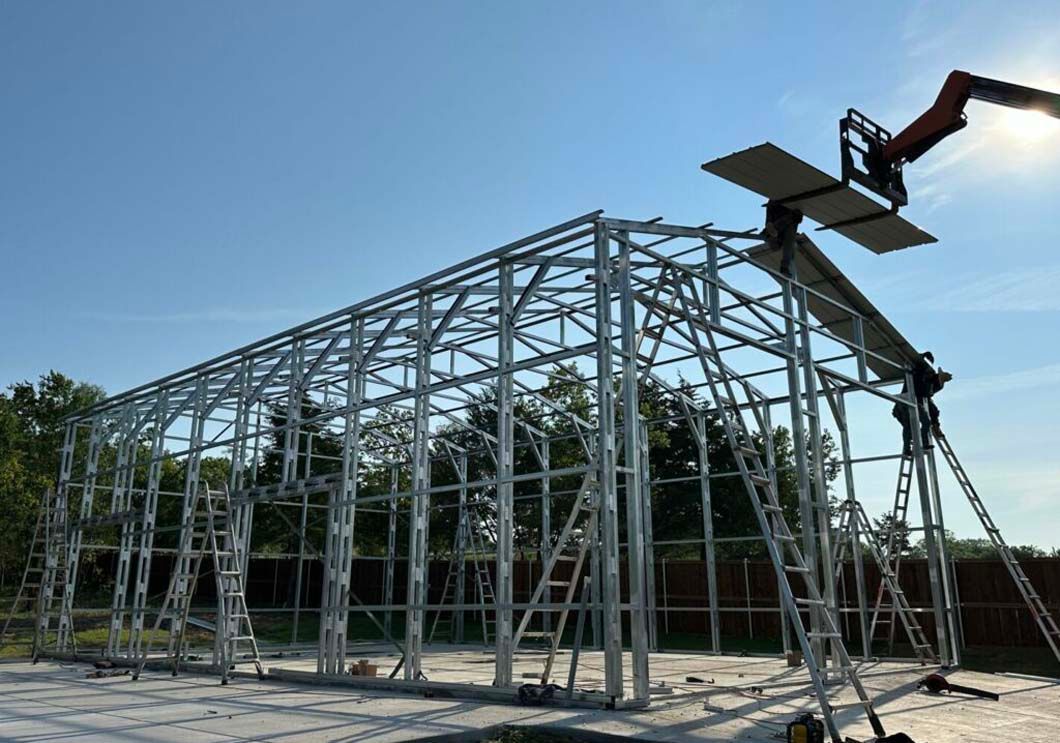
<point>937,683</point>
<point>805,729</point>
<point>535,694</point>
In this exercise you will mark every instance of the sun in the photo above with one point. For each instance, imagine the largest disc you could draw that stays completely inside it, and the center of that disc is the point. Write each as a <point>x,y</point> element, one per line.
<point>1029,126</point>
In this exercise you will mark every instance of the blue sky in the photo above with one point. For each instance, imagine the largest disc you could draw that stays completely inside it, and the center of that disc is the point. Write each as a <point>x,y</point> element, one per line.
<point>180,179</point>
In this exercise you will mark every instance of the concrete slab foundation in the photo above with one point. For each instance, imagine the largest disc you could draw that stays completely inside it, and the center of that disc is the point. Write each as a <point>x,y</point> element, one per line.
<point>54,701</point>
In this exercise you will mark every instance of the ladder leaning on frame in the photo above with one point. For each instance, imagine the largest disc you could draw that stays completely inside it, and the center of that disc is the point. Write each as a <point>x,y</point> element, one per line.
<point>208,530</point>
<point>1042,617</point>
<point>46,572</point>
<point>468,540</point>
<point>854,520</point>
<point>1045,621</point>
<point>788,561</point>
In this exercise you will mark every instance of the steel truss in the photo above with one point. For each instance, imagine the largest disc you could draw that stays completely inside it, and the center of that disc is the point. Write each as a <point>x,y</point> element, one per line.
<point>599,304</point>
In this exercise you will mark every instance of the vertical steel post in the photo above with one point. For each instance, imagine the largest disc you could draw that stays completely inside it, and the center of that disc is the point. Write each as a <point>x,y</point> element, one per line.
<point>147,530</point>
<point>505,470</point>
<point>747,597</point>
<point>632,457</point>
<point>292,444</point>
<point>463,531</point>
<point>649,539</point>
<point>351,463</point>
<point>855,529</point>
<point>238,517</point>
<point>607,477</point>
<point>938,601</point>
<point>73,547</point>
<point>546,526</point>
<point>391,548</point>
<point>944,560</point>
<point>124,472</point>
<point>699,431</point>
<point>823,521</point>
<point>191,485</point>
<point>665,600</point>
<point>421,483</point>
<point>338,543</point>
<point>771,468</point>
<point>300,561</point>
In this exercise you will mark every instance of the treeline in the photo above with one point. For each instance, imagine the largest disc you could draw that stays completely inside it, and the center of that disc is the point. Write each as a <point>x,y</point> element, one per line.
<point>32,429</point>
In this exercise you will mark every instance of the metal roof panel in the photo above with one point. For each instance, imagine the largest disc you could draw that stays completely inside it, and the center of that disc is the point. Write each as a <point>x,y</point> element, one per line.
<point>770,171</point>
<point>816,271</point>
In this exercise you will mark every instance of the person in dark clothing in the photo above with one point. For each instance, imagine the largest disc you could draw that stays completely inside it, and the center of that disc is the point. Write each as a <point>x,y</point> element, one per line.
<point>781,230</point>
<point>926,382</point>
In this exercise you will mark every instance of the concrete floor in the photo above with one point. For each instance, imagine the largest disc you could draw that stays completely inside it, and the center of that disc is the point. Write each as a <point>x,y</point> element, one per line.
<point>54,701</point>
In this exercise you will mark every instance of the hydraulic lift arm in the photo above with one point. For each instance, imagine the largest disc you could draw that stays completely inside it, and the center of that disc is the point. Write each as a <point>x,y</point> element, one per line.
<point>946,116</point>
<point>882,155</point>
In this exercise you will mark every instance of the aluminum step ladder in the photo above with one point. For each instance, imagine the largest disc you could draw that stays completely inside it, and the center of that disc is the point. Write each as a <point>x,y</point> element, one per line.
<point>467,537</point>
<point>208,530</point>
<point>1045,621</point>
<point>780,543</point>
<point>572,545</point>
<point>893,552</point>
<point>26,598</point>
<point>852,512</point>
<point>46,572</point>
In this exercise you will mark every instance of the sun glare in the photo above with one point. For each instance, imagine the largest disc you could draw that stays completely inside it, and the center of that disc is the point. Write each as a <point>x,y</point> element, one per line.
<point>1030,126</point>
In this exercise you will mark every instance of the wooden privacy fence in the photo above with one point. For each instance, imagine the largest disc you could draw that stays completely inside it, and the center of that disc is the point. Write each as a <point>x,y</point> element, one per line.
<point>991,610</point>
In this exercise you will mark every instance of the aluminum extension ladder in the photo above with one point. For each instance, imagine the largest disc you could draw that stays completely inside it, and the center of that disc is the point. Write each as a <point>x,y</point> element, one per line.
<point>208,530</point>
<point>779,540</point>
<point>571,546</point>
<point>467,535</point>
<point>852,512</point>
<point>1045,621</point>
<point>46,573</point>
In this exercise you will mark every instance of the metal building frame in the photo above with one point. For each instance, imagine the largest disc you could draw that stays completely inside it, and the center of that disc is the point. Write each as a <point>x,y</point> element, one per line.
<point>393,377</point>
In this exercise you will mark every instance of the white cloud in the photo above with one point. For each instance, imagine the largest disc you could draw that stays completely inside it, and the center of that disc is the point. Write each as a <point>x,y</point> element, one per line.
<point>930,197</point>
<point>1022,290</point>
<point>1026,490</point>
<point>992,386</point>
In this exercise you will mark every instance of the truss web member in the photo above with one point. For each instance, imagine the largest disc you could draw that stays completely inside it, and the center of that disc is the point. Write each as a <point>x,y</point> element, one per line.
<point>926,382</point>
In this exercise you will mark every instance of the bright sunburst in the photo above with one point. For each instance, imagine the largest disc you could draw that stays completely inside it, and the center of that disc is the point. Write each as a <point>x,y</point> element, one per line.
<point>1029,126</point>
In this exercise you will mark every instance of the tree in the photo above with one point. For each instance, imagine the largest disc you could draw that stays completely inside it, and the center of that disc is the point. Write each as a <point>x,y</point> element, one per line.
<point>32,429</point>
<point>885,524</point>
<point>980,548</point>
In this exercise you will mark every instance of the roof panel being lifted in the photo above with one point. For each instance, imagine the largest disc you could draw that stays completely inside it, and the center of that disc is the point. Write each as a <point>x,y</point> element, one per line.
<point>770,171</point>
<point>815,271</point>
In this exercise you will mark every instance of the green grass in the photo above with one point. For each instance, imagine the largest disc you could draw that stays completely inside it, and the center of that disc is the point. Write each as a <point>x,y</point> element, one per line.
<point>91,629</point>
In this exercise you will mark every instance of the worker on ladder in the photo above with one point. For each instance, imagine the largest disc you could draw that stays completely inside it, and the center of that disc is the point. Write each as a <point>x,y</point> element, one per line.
<point>926,382</point>
<point>781,232</point>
